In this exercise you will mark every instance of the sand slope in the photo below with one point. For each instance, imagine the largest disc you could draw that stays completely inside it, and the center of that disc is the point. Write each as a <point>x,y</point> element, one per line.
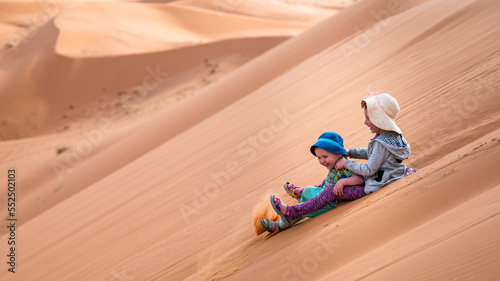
<point>50,84</point>
<point>97,116</point>
<point>136,47</point>
<point>169,195</point>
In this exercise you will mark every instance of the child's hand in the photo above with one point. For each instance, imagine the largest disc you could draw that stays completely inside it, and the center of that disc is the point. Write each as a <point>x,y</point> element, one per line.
<point>340,164</point>
<point>338,189</point>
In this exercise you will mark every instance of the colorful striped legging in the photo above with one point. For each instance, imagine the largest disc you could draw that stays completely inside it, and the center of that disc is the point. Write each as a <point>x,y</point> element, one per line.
<point>326,196</point>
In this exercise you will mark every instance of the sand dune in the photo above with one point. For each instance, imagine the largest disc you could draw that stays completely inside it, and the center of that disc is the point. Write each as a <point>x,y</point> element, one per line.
<point>138,51</point>
<point>167,190</point>
<point>138,27</point>
<point>96,105</point>
<point>272,9</point>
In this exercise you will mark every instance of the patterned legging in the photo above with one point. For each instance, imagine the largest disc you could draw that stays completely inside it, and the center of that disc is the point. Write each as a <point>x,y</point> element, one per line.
<point>326,196</point>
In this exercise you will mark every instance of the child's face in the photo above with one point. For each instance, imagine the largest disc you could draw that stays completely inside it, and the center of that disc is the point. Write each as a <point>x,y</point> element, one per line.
<point>326,158</point>
<point>374,129</point>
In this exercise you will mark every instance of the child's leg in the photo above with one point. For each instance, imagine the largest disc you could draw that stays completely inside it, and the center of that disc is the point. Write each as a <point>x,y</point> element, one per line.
<point>293,190</point>
<point>323,199</point>
<point>310,192</point>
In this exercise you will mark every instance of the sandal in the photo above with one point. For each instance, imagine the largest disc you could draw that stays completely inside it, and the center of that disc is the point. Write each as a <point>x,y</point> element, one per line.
<point>276,203</point>
<point>291,189</point>
<point>272,226</point>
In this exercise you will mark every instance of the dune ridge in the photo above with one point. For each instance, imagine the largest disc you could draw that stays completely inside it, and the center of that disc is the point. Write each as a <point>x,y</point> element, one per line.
<point>145,27</point>
<point>68,32</point>
<point>170,194</point>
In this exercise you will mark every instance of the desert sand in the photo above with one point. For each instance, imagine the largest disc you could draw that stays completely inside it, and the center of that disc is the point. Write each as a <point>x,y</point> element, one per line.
<point>143,136</point>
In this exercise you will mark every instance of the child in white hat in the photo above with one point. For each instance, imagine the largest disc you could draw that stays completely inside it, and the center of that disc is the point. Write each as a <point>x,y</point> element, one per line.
<point>386,151</point>
<point>385,154</point>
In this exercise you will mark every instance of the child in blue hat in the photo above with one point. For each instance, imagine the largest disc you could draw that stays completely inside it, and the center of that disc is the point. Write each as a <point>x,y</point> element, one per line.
<point>344,185</point>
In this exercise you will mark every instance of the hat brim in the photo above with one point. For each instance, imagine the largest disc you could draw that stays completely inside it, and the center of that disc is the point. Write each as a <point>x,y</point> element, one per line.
<point>378,117</point>
<point>329,146</point>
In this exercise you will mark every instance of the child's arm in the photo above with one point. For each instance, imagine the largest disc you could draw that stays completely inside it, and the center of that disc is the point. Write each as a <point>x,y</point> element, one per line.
<point>358,153</point>
<point>338,189</point>
<point>378,156</point>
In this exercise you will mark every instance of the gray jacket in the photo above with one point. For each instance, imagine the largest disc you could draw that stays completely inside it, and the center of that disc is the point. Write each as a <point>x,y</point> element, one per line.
<point>385,154</point>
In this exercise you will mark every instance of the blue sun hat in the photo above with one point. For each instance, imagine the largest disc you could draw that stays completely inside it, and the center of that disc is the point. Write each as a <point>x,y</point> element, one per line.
<point>329,141</point>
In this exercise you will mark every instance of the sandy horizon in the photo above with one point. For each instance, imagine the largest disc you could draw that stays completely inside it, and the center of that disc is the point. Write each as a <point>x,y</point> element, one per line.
<point>139,137</point>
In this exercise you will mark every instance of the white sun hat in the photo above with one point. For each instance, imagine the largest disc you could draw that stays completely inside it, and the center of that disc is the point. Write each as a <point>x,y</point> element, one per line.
<point>382,110</point>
